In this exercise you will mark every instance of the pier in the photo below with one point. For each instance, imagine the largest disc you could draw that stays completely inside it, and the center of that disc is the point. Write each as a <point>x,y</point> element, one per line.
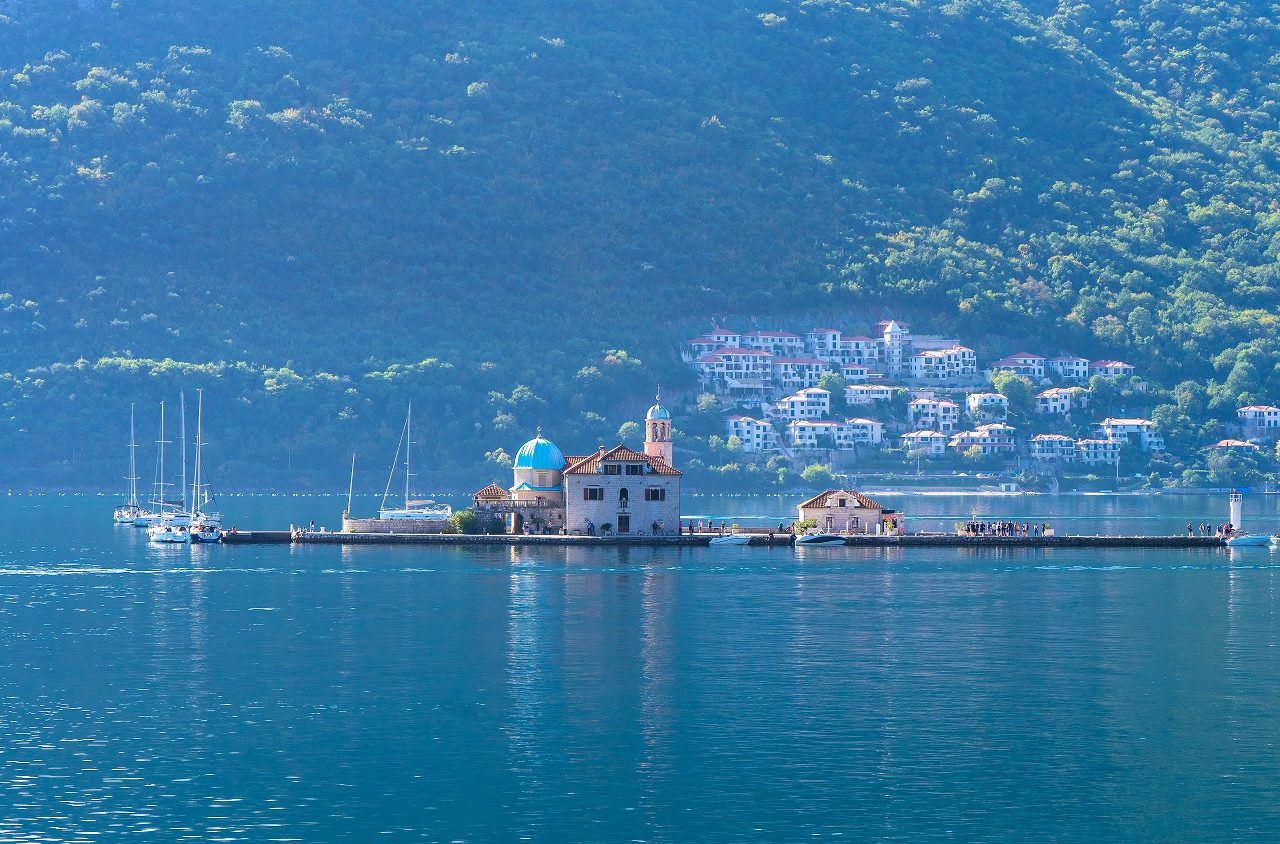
<point>917,540</point>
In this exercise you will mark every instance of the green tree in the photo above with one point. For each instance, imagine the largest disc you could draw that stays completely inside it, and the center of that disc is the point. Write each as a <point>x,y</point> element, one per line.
<point>1018,389</point>
<point>818,474</point>
<point>466,521</point>
<point>630,434</point>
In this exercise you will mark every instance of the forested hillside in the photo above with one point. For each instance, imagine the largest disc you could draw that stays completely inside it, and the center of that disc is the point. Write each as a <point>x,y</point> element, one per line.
<point>509,213</point>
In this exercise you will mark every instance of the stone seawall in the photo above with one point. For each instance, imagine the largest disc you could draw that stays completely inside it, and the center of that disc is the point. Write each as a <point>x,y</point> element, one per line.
<point>415,526</point>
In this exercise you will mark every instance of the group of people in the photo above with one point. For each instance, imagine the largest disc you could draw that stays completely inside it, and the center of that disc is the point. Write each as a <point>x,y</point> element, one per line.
<point>1206,529</point>
<point>1023,529</point>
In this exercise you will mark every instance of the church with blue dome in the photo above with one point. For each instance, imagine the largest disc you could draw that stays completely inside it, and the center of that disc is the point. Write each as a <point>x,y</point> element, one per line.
<point>619,491</point>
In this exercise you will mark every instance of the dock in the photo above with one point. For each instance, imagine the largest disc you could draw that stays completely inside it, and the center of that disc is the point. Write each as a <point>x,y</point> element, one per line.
<point>911,540</point>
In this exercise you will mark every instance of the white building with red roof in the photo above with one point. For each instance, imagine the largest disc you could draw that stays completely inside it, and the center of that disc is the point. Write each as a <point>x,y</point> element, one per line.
<point>797,373</point>
<point>1111,369</point>
<point>1069,368</point>
<point>775,342</point>
<point>1023,363</point>
<point>1260,420</point>
<point>756,435</point>
<point>1053,447</point>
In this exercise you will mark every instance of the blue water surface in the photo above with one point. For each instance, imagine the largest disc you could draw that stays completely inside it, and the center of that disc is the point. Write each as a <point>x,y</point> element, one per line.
<point>276,693</point>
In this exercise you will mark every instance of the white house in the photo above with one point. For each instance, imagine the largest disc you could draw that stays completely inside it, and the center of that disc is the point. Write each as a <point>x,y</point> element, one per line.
<point>1095,451</point>
<point>635,493</point>
<point>1053,447</point>
<point>1111,368</point>
<point>862,431</point>
<point>797,373</point>
<point>995,438</point>
<point>1070,368</point>
<point>943,366</point>
<point>734,362</point>
<point>823,343</point>
<point>775,342</point>
<point>855,373</point>
<point>1260,420</point>
<point>1141,432</point>
<point>858,348</point>
<point>987,407</point>
<point>931,443</point>
<point>933,414</point>
<point>1061,400</point>
<point>756,435</point>
<point>1023,363</point>
<point>812,433</point>
<point>809,403</point>
<point>867,393</point>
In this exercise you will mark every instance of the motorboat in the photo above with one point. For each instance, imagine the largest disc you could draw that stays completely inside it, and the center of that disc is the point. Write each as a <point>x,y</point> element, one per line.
<point>205,533</point>
<point>819,539</point>
<point>1248,540</point>
<point>730,539</point>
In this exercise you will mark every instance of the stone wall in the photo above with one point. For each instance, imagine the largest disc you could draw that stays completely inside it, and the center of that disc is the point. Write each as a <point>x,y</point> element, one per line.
<point>396,526</point>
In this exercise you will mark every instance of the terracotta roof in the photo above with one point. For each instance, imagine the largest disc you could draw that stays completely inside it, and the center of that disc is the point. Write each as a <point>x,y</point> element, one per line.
<point>734,350</point>
<point>1110,363</point>
<point>1055,437</point>
<point>619,453</point>
<point>492,492</point>
<point>862,500</point>
<point>1235,444</point>
<point>1258,407</point>
<point>1064,358</point>
<point>825,331</point>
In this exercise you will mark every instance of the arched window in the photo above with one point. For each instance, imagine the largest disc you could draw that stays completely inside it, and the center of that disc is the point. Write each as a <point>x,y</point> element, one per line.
<point>623,497</point>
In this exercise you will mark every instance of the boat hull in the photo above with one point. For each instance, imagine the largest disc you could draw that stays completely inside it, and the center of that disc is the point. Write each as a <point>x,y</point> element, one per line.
<point>731,539</point>
<point>1249,541</point>
<point>819,539</point>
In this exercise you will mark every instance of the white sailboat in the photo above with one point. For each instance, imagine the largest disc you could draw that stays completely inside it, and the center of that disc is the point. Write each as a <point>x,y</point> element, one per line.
<point>413,508</point>
<point>171,526</point>
<point>126,513</point>
<point>206,521</point>
<point>153,517</point>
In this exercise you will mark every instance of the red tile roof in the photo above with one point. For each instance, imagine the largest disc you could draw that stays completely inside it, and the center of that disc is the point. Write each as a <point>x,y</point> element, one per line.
<point>617,454</point>
<point>492,492</point>
<point>863,501</point>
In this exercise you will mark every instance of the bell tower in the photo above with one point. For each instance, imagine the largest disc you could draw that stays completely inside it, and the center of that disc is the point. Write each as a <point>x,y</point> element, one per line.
<point>657,431</point>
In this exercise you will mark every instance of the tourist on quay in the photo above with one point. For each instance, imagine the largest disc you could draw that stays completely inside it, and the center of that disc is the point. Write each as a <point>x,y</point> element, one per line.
<point>1189,531</point>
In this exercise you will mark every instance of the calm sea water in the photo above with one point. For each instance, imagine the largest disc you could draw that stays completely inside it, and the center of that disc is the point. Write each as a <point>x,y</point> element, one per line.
<point>328,694</point>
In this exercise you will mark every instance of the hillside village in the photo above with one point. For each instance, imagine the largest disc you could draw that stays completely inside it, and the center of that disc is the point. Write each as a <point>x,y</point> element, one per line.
<point>849,397</point>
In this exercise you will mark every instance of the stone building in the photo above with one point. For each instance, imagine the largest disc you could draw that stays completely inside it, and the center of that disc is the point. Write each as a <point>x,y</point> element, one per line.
<point>847,511</point>
<point>629,491</point>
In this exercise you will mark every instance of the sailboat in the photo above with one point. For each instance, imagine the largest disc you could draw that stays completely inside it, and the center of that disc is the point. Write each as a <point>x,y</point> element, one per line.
<point>150,518</point>
<point>129,511</point>
<point>171,525</point>
<point>412,509</point>
<point>206,522</point>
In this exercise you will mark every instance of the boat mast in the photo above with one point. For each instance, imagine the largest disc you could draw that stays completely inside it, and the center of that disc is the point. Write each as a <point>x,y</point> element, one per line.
<point>182,417</point>
<point>351,484</point>
<point>133,460</point>
<point>386,491</point>
<point>196,502</point>
<point>408,449</point>
<point>160,483</point>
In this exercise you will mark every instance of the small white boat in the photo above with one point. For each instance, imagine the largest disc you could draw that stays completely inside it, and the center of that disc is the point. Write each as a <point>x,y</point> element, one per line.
<point>418,510</point>
<point>730,539</point>
<point>819,539</point>
<point>147,519</point>
<point>169,533</point>
<point>1248,540</point>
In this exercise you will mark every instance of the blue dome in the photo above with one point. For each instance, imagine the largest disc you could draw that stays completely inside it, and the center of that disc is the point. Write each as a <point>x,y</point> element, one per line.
<point>657,412</point>
<point>540,455</point>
